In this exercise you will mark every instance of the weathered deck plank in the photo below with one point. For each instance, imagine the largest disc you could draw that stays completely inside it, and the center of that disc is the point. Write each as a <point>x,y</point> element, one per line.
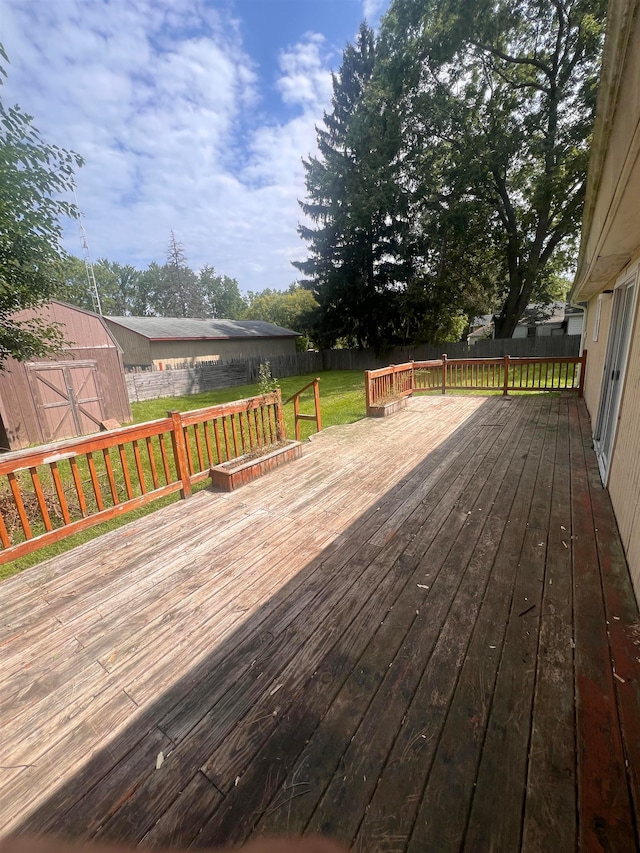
<point>388,623</point>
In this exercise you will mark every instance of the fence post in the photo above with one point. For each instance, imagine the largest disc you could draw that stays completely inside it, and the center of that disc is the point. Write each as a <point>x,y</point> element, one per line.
<point>444,373</point>
<point>505,388</point>
<point>583,370</point>
<point>316,400</point>
<point>180,453</point>
<point>280,428</point>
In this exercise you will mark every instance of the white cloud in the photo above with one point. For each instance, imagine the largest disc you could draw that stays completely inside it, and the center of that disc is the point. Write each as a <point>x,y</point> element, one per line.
<point>165,106</point>
<point>372,9</point>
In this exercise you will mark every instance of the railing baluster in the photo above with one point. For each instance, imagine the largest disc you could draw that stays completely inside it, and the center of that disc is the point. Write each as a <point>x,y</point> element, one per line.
<point>243,437</point>
<point>152,463</point>
<point>64,508</point>
<point>206,428</point>
<point>95,482</point>
<point>187,447</point>
<point>4,533</point>
<point>110,476</point>
<point>138,461</point>
<point>216,436</point>
<point>252,444</point>
<point>165,458</point>
<point>77,481</point>
<point>17,497</point>
<point>125,470</point>
<point>196,433</point>
<point>234,432</point>
<point>42,503</point>
<point>259,437</point>
<point>227,446</point>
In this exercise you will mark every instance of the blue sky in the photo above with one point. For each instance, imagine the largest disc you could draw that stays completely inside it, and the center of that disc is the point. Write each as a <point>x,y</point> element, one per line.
<point>191,115</point>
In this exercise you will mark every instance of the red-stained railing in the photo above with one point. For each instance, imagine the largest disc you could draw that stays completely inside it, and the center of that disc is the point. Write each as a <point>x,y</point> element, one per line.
<point>316,417</point>
<point>53,491</point>
<point>475,374</point>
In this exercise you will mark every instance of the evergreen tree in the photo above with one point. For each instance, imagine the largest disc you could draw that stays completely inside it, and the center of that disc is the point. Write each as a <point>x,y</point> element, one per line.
<point>180,295</point>
<point>356,210</point>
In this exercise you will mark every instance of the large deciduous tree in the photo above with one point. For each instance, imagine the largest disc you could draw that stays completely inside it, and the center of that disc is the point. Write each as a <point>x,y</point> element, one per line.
<point>220,294</point>
<point>34,176</point>
<point>498,98</point>
<point>294,309</point>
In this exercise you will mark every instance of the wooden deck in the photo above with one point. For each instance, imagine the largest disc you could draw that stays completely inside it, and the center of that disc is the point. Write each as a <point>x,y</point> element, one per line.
<point>421,636</point>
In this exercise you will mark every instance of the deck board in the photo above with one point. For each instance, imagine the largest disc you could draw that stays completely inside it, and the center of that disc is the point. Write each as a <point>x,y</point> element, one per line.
<point>395,622</point>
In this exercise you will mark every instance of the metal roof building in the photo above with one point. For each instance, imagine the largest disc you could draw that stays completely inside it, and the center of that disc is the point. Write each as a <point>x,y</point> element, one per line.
<point>159,342</point>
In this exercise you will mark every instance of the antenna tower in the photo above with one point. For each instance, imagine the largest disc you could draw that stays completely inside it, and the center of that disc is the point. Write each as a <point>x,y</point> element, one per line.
<point>88,265</point>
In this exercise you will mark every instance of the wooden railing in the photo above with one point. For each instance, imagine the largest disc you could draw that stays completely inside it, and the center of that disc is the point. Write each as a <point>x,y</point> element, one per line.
<point>53,491</point>
<point>316,416</point>
<point>475,374</point>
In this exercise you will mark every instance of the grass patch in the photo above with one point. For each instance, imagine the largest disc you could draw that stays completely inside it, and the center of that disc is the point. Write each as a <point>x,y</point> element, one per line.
<point>342,401</point>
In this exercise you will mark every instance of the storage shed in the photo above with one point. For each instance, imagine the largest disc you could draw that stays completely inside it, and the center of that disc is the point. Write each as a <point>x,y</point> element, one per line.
<point>161,342</point>
<point>72,392</point>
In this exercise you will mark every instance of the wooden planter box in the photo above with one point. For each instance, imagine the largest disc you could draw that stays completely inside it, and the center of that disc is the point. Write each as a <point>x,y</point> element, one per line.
<point>384,409</point>
<point>243,470</point>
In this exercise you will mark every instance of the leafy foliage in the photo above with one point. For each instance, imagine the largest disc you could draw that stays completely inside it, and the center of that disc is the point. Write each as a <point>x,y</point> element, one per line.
<point>452,169</point>
<point>294,309</point>
<point>499,99</point>
<point>33,177</point>
<point>170,290</point>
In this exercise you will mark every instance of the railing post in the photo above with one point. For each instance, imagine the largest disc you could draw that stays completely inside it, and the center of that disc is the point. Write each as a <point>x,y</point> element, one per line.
<point>505,386</point>
<point>583,370</point>
<point>367,390</point>
<point>444,373</point>
<point>413,376</point>
<point>180,453</point>
<point>393,379</point>
<point>296,416</point>
<point>280,428</point>
<point>316,399</point>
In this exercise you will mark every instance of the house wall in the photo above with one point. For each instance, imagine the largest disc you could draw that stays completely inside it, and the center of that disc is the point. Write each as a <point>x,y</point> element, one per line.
<point>574,324</point>
<point>624,474</point>
<point>136,350</point>
<point>624,477</point>
<point>596,351</point>
<point>170,353</point>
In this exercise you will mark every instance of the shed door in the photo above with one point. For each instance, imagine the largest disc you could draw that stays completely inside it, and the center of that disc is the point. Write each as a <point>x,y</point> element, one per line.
<point>68,398</point>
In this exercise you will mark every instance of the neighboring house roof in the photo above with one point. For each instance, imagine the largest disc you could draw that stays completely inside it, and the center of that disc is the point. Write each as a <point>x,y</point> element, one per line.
<point>543,315</point>
<point>177,328</point>
<point>534,315</point>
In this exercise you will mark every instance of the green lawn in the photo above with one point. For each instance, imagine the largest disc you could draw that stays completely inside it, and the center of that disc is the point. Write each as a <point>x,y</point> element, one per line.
<point>341,398</point>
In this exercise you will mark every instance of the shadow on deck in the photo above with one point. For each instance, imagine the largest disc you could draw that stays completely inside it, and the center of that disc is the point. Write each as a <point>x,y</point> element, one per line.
<point>421,636</point>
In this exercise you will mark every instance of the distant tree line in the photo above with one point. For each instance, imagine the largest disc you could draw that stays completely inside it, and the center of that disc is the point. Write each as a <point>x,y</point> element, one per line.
<point>173,289</point>
<point>451,169</point>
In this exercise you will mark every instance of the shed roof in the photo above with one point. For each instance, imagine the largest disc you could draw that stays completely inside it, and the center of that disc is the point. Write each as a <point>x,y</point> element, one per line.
<point>178,328</point>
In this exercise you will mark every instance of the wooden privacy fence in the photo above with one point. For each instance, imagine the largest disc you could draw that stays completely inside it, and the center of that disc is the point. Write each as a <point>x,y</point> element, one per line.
<point>53,491</point>
<point>475,374</point>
